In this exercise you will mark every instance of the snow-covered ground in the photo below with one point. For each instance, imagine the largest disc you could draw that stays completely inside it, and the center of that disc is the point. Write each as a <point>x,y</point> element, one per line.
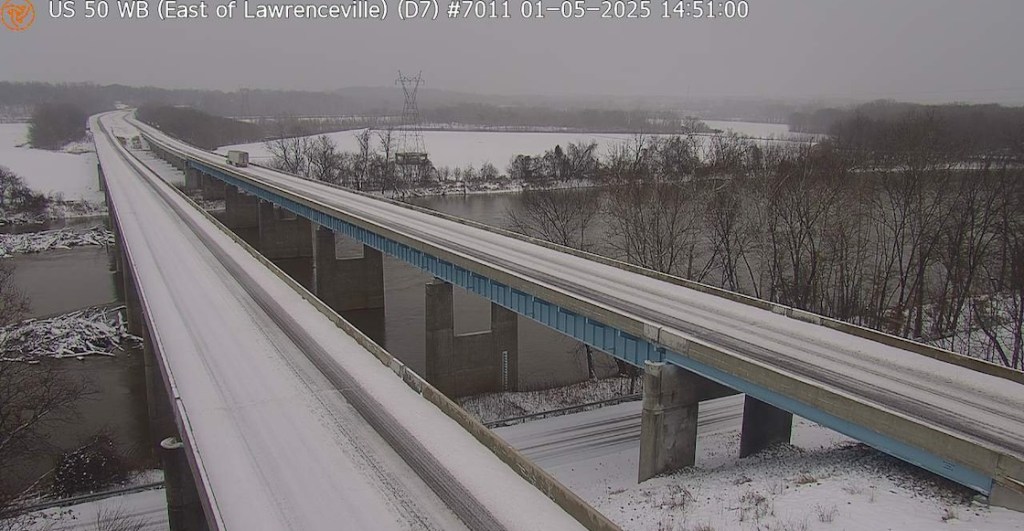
<point>141,500</point>
<point>147,509</point>
<point>822,481</point>
<point>755,129</point>
<point>49,172</point>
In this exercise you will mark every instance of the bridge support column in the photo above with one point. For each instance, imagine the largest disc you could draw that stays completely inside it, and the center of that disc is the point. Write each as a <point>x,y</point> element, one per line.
<point>1007,493</point>
<point>468,364</point>
<point>763,426</point>
<point>184,508</point>
<point>133,307</point>
<point>242,214</point>
<point>102,183</point>
<point>213,188</point>
<point>353,287</point>
<point>668,425</point>
<point>193,181</point>
<point>287,240</point>
<point>158,401</point>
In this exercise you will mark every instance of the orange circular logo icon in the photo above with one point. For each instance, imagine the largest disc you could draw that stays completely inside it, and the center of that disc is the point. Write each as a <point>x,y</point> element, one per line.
<point>17,15</point>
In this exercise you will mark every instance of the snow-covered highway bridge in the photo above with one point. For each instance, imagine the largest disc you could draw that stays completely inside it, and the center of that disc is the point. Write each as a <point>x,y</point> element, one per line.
<point>959,418</point>
<point>287,420</point>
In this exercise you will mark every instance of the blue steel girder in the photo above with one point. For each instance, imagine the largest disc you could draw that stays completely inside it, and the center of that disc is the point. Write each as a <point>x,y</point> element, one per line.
<point>609,339</point>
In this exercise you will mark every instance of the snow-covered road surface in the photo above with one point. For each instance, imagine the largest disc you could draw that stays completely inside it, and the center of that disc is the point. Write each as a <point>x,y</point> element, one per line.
<point>278,444</point>
<point>569,439</point>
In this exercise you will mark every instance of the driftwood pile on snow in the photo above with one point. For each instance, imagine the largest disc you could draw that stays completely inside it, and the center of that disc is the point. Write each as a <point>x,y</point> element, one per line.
<point>93,331</point>
<point>36,242</point>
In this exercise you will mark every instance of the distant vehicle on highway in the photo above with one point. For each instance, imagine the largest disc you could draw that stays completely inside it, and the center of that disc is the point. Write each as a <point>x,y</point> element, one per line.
<point>238,158</point>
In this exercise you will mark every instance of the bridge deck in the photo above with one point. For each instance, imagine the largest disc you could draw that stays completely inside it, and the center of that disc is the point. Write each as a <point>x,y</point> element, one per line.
<point>276,442</point>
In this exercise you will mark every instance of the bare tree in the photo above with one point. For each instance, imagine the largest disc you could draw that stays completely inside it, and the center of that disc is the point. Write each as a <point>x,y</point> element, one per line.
<point>385,163</point>
<point>561,215</point>
<point>1001,316</point>
<point>657,226</point>
<point>13,303</point>
<point>363,165</point>
<point>33,398</point>
<point>290,149</point>
<point>628,162</point>
<point>119,519</point>
<point>324,160</point>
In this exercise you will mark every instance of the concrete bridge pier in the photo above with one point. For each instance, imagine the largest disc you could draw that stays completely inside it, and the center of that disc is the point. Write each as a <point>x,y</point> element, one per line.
<point>213,188</point>
<point>287,240</point>
<point>158,401</point>
<point>468,364</point>
<point>763,426</point>
<point>133,307</point>
<point>668,425</point>
<point>192,178</point>
<point>353,287</point>
<point>1007,493</point>
<point>184,507</point>
<point>242,215</point>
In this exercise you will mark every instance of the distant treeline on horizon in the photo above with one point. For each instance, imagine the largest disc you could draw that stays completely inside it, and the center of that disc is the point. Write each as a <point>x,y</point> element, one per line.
<point>20,99</point>
<point>981,127</point>
<point>974,127</point>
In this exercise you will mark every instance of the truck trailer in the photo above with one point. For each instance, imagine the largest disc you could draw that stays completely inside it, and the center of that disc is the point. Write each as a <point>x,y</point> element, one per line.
<point>238,158</point>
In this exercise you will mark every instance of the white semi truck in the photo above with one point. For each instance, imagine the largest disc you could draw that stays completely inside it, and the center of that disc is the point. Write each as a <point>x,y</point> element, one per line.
<point>238,158</point>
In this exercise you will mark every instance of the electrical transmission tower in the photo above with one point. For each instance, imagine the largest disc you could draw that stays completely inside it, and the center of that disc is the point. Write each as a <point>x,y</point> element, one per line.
<point>411,160</point>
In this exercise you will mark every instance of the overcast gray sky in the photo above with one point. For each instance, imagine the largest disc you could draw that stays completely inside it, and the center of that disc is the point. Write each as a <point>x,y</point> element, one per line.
<point>924,50</point>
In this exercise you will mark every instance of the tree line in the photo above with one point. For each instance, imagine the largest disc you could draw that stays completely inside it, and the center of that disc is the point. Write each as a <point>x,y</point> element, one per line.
<point>197,127</point>
<point>978,128</point>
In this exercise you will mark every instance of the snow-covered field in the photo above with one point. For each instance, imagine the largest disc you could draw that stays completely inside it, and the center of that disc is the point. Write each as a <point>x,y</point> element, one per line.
<point>145,510</point>
<point>49,172</point>
<point>464,148</point>
<point>755,129</point>
<point>821,481</point>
